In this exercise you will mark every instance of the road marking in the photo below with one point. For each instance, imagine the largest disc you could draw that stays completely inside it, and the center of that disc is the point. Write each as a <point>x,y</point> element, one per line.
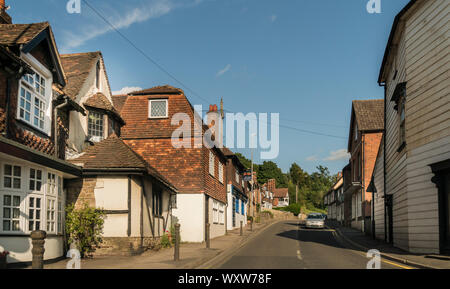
<point>299,255</point>
<point>363,254</point>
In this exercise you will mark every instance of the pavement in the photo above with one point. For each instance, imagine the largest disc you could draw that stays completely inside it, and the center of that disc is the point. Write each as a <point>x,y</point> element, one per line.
<point>363,242</point>
<point>288,245</point>
<point>192,255</point>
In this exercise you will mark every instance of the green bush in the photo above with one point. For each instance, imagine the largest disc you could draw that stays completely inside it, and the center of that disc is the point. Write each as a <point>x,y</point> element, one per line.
<point>165,241</point>
<point>292,208</point>
<point>250,218</point>
<point>84,228</point>
<point>267,214</point>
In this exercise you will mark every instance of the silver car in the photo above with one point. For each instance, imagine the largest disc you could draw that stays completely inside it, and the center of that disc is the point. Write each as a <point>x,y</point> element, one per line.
<point>315,220</point>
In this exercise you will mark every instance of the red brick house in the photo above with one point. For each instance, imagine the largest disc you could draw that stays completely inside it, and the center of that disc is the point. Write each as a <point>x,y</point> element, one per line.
<point>195,170</point>
<point>366,131</point>
<point>33,125</point>
<point>280,197</point>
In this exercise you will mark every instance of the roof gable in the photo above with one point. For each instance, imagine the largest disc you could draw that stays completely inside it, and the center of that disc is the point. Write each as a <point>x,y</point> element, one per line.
<point>368,115</point>
<point>30,36</point>
<point>77,67</point>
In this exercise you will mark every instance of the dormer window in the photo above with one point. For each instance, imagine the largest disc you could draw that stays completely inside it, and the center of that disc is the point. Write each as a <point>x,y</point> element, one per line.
<point>158,108</point>
<point>33,100</point>
<point>95,126</point>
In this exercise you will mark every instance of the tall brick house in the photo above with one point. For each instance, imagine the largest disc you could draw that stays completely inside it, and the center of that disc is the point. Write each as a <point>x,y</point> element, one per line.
<point>34,114</point>
<point>366,131</point>
<point>196,171</point>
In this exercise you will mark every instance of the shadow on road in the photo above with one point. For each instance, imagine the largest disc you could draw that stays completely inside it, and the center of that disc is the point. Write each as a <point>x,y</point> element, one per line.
<point>311,235</point>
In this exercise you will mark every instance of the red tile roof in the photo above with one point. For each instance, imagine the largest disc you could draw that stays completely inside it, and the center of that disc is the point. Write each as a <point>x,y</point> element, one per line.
<point>165,89</point>
<point>119,101</point>
<point>280,193</point>
<point>369,114</point>
<point>113,153</point>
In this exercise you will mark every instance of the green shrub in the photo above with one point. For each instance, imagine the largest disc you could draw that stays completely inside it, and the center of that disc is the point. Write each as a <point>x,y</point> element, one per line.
<point>165,241</point>
<point>267,214</point>
<point>250,218</point>
<point>84,228</point>
<point>292,208</point>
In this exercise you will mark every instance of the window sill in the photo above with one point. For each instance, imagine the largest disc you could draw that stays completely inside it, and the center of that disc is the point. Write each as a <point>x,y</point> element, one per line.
<point>159,117</point>
<point>401,147</point>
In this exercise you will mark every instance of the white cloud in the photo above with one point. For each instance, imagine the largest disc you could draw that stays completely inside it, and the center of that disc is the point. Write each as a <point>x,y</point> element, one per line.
<point>312,158</point>
<point>121,19</point>
<point>126,90</point>
<point>223,71</point>
<point>338,155</point>
<point>273,18</point>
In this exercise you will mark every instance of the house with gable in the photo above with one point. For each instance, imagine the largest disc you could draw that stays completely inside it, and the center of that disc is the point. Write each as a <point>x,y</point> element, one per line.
<point>136,198</point>
<point>202,196</point>
<point>34,114</point>
<point>366,131</point>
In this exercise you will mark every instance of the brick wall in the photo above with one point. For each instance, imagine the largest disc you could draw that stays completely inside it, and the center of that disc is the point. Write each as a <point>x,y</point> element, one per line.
<point>372,143</point>
<point>80,191</point>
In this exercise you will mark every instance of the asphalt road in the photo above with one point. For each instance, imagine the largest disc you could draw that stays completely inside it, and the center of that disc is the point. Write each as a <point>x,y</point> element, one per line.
<point>287,245</point>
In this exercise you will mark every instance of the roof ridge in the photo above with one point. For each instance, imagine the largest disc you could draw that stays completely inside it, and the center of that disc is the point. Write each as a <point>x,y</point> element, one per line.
<point>80,53</point>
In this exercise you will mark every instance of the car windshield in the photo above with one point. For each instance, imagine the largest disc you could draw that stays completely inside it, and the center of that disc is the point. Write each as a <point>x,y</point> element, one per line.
<point>315,217</point>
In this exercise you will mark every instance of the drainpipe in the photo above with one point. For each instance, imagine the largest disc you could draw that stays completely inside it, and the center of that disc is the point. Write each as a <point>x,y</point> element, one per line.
<point>55,122</point>
<point>384,163</point>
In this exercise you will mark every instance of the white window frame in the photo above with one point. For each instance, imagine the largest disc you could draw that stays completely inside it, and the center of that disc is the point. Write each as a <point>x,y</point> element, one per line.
<point>220,172</point>
<point>215,212</point>
<point>25,193</point>
<point>101,132</point>
<point>150,101</point>
<point>212,163</point>
<point>45,74</point>
<point>12,177</point>
<point>221,214</point>
<point>11,207</point>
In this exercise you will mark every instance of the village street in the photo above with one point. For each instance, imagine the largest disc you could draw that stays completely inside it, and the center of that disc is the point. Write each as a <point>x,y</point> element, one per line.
<point>288,245</point>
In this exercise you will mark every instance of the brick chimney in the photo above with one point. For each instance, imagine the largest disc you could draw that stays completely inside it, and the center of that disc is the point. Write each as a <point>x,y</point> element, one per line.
<point>271,185</point>
<point>215,123</point>
<point>4,17</point>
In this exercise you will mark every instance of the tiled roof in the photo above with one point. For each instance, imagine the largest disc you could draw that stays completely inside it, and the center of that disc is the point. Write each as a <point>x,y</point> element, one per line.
<point>113,153</point>
<point>369,114</point>
<point>16,34</point>
<point>77,67</point>
<point>119,101</point>
<point>280,193</point>
<point>100,101</point>
<point>227,152</point>
<point>165,89</point>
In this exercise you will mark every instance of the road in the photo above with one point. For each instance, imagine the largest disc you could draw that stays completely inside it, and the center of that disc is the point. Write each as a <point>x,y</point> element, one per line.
<point>287,245</point>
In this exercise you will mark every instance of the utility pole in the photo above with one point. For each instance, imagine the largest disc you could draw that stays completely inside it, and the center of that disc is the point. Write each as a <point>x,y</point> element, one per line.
<point>296,193</point>
<point>251,192</point>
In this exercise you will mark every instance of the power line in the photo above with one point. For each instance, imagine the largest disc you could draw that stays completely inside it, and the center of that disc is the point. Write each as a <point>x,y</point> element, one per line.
<point>142,52</point>
<point>159,66</point>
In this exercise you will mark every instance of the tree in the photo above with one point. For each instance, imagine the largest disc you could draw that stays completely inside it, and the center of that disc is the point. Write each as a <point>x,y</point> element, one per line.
<point>270,170</point>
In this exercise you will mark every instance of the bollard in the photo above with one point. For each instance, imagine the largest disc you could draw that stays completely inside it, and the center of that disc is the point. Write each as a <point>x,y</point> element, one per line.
<point>177,243</point>
<point>208,239</point>
<point>251,225</point>
<point>241,228</point>
<point>38,241</point>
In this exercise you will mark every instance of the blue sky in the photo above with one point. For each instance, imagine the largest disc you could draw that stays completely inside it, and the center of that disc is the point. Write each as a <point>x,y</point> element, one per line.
<point>304,59</point>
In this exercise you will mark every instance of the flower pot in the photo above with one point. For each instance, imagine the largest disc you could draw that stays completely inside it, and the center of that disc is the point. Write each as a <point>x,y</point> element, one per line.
<point>3,262</point>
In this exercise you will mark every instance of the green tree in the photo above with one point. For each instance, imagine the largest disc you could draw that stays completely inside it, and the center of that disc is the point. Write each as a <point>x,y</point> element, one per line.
<point>270,170</point>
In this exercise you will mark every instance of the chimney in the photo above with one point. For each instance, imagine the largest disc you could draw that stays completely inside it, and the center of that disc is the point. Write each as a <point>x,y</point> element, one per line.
<point>271,185</point>
<point>215,123</point>
<point>4,17</point>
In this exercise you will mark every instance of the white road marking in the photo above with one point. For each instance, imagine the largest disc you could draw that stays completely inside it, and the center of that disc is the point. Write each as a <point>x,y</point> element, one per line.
<point>299,253</point>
